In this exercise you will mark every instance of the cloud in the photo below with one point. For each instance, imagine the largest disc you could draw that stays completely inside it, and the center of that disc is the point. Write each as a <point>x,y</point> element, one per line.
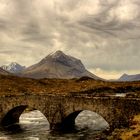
<point>103,34</point>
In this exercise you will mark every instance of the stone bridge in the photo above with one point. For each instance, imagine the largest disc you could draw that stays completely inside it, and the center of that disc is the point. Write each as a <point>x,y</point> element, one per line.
<point>61,111</point>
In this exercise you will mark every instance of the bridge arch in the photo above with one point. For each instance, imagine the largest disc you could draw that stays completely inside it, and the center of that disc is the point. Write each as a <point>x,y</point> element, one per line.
<point>70,120</point>
<point>12,116</point>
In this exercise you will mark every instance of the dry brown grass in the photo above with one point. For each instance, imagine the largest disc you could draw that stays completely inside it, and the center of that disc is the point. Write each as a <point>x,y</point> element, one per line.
<point>133,133</point>
<point>17,85</point>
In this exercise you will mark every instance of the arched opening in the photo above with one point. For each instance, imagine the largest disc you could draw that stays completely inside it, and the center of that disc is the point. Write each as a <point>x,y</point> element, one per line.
<point>22,117</point>
<point>85,119</point>
<point>13,115</point>
<point>92,120</point>
<point>34,121</point>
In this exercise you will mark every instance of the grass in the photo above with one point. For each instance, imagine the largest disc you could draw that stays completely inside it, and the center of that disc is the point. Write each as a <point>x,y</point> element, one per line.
<point>131,133</point>
<point>82,86</point>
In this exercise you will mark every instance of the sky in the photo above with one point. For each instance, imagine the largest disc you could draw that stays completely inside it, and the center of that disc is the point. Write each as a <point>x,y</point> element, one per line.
<point>104,34</point>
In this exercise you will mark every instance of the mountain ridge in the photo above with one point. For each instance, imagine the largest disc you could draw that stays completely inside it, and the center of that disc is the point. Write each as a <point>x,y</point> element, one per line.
<point>58,65</point>
<point>126,77</point>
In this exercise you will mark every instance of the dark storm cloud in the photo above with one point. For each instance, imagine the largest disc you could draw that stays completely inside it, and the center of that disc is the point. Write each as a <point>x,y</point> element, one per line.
<point>107,32</point>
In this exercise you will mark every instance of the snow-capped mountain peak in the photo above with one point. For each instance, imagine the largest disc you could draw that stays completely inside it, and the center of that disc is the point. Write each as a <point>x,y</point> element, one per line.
<point>13,67</point>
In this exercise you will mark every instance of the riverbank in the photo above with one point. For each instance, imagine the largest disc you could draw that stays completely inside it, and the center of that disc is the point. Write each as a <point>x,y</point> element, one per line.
<point>131,133</point>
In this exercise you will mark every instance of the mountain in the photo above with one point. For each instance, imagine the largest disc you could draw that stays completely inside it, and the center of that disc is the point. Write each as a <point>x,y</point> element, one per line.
<point>58,65</point>
<point>13,67</point>
<point>126,77</point>
<point>3,72</point>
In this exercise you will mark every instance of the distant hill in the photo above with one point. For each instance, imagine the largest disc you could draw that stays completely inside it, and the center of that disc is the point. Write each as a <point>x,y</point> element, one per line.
<point>3,72</point>
<point>13,67</point>
<point>58,65</point>
<point>126,77</point>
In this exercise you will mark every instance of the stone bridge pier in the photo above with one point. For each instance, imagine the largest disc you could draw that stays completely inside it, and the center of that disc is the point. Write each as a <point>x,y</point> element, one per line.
<point>61,111</point>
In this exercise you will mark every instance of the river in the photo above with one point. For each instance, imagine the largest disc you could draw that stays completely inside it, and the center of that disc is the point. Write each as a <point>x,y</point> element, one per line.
<point>34,126</point>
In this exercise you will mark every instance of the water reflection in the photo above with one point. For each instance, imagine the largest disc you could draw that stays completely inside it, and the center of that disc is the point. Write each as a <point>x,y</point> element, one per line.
<point>34,126</point>
<point>91,120</point>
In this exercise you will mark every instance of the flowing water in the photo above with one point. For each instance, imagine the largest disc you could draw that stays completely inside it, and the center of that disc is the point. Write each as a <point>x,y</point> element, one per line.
<point>34,126</point>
